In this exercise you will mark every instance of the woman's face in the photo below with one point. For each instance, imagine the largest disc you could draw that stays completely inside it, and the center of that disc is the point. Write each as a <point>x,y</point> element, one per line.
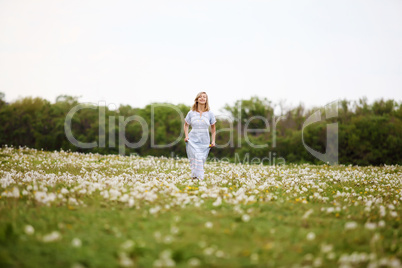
<point>202,99</point>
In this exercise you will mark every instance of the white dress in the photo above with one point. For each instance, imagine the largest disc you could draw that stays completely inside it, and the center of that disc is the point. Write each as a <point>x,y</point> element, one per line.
<point>197,147</point>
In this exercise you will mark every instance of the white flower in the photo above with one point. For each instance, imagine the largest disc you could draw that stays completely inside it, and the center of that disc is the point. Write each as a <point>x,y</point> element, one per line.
<point>308,257</point>
<point>310,236</point>
<point>330,209</point>
<point>194,262</point>
<point>76,242</point>
<point>168,239</point>
<point>174,230</point>
<point>325,248</point>
<point>208,251</point>
<point>124,198</point>
<point>331,255</point>
<point>124,260</point>
<point>165,260</point>
<point>254,257</point>
<point>77,265</point>
<point>154,210</point>
<point>393,214</point>
<point>53,236</point>
<point>317,262</point>
<point>157,235</point>
<point>15,193</point>
<point>245,218</point>
<point>29,230</point>
<point>370,225</point>
<point>218,202</point>
<point>166,254</point>
<point>64,191</point>
<point>72,201</point>
<point>129,244</point>
<point>158,263</point>
<point>307,213</point>
<point>350,225</point>
<point>219,254</point>
<point>209,224</point>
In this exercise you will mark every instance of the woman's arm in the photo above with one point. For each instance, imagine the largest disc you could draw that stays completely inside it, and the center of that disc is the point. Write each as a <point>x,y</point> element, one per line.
<point>213,131</point>
<point>186,131</point>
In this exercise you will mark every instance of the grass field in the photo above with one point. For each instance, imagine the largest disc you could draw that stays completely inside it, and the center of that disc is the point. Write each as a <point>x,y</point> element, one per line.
<point>63,209</point>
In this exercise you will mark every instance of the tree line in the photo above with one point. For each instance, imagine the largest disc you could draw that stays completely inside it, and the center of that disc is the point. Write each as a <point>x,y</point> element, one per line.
<point>248,130</point>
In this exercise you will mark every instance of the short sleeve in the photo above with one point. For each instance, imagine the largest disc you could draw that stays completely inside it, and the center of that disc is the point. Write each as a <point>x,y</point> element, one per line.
<point>188,118</point>
<point>212,119</point>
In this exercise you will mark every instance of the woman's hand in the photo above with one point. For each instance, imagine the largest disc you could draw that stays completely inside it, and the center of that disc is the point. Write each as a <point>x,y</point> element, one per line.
<point>212,144</point>
<point>185,126</point>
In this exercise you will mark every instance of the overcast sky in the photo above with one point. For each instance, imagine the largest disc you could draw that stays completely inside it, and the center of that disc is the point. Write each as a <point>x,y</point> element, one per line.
<point>138,52</point>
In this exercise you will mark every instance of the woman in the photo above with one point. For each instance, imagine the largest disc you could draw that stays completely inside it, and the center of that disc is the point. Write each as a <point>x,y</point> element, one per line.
<point>198,141</point>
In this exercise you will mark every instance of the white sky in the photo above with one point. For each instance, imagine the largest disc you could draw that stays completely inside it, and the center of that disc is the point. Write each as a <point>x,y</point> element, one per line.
<point>138,52</point>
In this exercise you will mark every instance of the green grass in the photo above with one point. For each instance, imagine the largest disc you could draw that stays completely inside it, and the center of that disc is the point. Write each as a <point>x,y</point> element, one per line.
<point>276,234</point>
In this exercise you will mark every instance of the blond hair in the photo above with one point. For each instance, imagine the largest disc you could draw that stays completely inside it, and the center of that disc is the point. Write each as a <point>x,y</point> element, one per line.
<point>195,105</point>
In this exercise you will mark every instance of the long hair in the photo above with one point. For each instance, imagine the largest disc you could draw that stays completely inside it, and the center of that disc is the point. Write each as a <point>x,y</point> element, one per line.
<point>195,105</point>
